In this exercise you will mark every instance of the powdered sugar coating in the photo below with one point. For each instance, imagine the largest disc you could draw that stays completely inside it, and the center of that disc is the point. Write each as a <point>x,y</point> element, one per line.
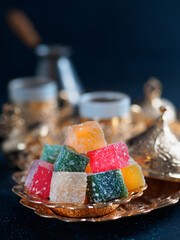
<point>68,187</point>
<point>105,186</point>
<point>50,153</point>
<point>39,178</point>
<point>70,161</point>
<point>113,156</point>
<point>131,161</point>
<point>86,137</point>
<point>133,175</point>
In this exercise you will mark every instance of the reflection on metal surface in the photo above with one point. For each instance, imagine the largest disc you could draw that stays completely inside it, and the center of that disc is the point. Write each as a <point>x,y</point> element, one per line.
<point>71,210</point>
<point>20,176</point>
<point>147,110</point>
<point>153,101</point>
<point>157,150</point>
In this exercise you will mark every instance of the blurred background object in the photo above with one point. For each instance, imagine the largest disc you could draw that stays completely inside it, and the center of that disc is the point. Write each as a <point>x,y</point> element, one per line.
<point>118,52</point>
<point>117,46</point>
<point>36,98</point>
<point>148,108</point>
<point>111,110</point>
<point>54,62</point>
<point>23,28</point>
<point>31,118</point>
<point>153,101</point>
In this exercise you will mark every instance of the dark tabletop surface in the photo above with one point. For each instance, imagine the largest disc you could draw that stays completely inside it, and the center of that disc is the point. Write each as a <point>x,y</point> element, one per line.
<point>117,45</point>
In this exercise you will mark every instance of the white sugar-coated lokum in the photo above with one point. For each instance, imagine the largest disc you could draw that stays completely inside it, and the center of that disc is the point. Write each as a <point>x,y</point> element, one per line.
<point>68,187</point>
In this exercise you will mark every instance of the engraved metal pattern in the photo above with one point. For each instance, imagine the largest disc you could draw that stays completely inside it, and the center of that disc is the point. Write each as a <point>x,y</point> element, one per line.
<point>157,150</point>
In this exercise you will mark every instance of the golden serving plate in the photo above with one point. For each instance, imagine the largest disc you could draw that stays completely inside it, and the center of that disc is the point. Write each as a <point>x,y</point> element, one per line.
<point>158,194</point>
<point>70,210</point>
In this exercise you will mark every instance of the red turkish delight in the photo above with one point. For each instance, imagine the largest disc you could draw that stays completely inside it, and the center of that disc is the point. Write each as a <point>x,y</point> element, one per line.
<point>38,180</point>
<point>114,156</point>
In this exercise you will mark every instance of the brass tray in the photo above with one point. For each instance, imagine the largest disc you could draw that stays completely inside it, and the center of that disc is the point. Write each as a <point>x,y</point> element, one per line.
<point>70,210</point>
<point>159,194</point>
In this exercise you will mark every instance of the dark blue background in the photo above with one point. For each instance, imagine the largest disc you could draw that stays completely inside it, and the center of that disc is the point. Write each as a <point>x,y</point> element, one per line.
<point>117,45</point>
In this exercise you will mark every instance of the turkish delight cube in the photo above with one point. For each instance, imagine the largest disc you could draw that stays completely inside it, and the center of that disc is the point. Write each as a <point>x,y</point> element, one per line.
<point>114,156</point>
<point>39,177</point>
<point>70,161</point>
<point>105,186</point>
<point>133,176</point>
<point>68,187</point>
<point>50,153</point>
<point>86,137</point>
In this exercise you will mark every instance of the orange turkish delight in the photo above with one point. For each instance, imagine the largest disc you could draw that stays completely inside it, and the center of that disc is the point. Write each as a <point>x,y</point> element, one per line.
<point>86,137</point>
<point>133,176</point>
<point>88,169</point>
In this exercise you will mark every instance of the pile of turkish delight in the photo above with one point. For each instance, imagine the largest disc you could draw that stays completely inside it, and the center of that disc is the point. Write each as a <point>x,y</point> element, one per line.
<point>85,169</point>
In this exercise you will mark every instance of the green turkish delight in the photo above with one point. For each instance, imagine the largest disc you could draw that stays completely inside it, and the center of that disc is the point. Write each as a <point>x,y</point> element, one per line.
<point>70,161</point>
<point>50,153</point>
<point>105,186</point>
